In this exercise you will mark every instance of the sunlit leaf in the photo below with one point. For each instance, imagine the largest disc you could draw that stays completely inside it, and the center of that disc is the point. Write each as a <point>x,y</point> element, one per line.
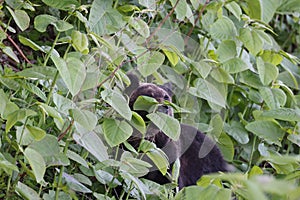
<point>104,19</point>
<point>72,71</point>
<point>167,124</point>
<point>149,62</point>
<point>36,162</point>
<point>85,118</point>
<point>27,192</point>
<point>17,116</point>
<point>92,143</point>
<point>21,18</point>
<point>36,132</point>
<point>118,102</point>
<point>62,5</point>
<point>116,131</point>
<point>267,130</point>
<point>207,91</point>
<point>251,40</point>
<point>223,29</point>
<point>41,23</point>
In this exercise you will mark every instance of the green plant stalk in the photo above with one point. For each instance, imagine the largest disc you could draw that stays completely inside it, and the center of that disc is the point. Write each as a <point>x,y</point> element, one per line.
<point>251,155</point>
<point>62,168</point>
<point>52,47</point>
<point>15,158</point>
<point>130,188</point>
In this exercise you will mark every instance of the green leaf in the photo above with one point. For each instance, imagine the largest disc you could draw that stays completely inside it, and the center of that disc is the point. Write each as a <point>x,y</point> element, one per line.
<point>38,72</point>
<point>262,10</point>
<point>222,76</point>
<point>72,71</point>
<point>226,50</point>
<point>237,131</point>
<point>145,103</point>
<point>133,165</point>
<point>251,79</point>
<point>267,71</point>
<point>149,62</point>
<point>62,5</point>
<point>160,160</point>
<point>30,43</point>
<point>118,102</point>
<point>226,146</point>
<point>116,131</point>
<point>74,184</point>
<point>151,4</point>
<point>8,51</point>
<point>103,19</point>
<point>285,114</point>
<point>41,23</point>
<point>7,166</point>
<point>37,163</point>
<point>77,158</point>
<point>139,185</point>
<point>234,65</point>
<point>167,124</point>
<point>85,118</point>
<point>223,29</point>
<point>138,123</point>
<point>4,100</point>
<point>271,57</point>
<point>36,132</point>
<point>203,68</point>
<point>210,192</point>
<point>235,9</point>
<point>17,116</point>
<point>26,192</point>
<point>35,90</point>
<point>205,90</point>
<point>48,149</point>
<point>21,18</point>
<point>268,130</point>
<point>51,111</point>
<point>140,26</point>
<point>92,143</point>
<point>274,97</point>
<point>254,9</point>
<point>251,40</point>
<point>172,56</point>
<point>80,42</point>
<point>289,6</point>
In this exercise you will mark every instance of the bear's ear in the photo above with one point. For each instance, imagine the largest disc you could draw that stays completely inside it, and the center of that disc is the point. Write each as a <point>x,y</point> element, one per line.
<point>134,83</point>
<point>168,87</point>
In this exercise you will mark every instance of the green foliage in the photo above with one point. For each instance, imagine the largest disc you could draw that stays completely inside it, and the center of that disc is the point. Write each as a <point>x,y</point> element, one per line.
<point>64,112</point>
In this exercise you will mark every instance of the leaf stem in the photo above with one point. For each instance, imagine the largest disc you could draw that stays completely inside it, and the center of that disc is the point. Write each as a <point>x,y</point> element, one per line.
<point>52,48</point>
<point>59,182</point>
<point>252,152</point>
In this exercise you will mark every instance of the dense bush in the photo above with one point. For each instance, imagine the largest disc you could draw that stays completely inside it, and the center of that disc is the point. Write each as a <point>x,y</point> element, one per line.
<point>64,113</point>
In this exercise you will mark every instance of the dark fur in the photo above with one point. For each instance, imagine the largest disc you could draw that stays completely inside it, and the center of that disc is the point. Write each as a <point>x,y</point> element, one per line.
<point>198,154</point>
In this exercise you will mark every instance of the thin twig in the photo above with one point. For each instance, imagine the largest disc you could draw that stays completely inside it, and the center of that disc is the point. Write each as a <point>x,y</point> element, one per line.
<point>196,20</point>
<point>163,21</point>
<point>16,46</point>
<point>62,135</point>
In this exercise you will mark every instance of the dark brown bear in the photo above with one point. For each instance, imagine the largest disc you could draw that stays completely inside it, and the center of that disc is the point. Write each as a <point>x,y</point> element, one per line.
<point>197,153</point>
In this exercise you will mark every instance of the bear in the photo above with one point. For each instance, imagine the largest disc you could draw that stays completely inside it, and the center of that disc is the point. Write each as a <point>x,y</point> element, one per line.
<point>197,153</point>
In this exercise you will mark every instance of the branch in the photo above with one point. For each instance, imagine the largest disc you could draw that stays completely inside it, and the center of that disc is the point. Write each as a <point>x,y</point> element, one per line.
<point>162,22</point>
<point>16,46</point>
<point>196,20</point>
<point>62,135</point>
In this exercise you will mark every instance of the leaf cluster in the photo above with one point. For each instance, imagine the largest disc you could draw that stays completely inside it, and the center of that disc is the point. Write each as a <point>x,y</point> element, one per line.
<point>64,114</point>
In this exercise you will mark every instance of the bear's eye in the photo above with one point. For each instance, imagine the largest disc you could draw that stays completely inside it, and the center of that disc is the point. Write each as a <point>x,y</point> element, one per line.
<point>166,97</point>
